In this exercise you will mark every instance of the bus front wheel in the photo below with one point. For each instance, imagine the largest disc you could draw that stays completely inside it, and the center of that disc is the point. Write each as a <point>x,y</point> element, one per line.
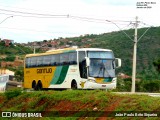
<point>74,85</point>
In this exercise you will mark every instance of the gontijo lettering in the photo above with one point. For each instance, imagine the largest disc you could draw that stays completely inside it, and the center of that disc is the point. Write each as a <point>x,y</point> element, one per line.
<point>44,70</point>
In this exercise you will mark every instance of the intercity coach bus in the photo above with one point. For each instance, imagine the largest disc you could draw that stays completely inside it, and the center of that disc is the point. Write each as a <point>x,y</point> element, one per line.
<point>71,68</point>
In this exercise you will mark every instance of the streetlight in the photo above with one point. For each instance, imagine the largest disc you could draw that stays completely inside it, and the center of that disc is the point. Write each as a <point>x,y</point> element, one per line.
<point>5,19</point>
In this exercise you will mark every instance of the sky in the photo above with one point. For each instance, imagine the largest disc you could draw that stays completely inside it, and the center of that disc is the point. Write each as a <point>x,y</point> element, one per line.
<point>37,20</point>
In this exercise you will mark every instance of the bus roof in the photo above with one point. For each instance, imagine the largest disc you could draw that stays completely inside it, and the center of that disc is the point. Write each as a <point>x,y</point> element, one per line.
<point>58,51</point>
<point>92,49</point>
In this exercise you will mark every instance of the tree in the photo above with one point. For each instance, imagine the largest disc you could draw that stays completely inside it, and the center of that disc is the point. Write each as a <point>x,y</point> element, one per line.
<point>2,43</point>
<point>49,45</point>
<point>44,41</point>
<point>19,74</point>
<point>157,64</point>
<point>10,58</point>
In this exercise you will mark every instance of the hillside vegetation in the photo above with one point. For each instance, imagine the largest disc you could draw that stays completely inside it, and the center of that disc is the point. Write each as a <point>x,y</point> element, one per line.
<point>148,49</point>
<point>80,104</point>
<point>14,49</point>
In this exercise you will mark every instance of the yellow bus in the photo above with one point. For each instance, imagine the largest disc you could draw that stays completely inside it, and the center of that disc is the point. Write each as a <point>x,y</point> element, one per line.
<point>75,68</point>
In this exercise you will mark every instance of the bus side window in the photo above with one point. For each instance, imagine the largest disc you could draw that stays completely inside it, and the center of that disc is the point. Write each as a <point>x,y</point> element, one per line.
<point>73,58</point>
<point>33,61</point>
<point>47,60</point>
<point>55,60</point>
<point>39,61</point>
<point>64,59</point>
<point>29,62</point>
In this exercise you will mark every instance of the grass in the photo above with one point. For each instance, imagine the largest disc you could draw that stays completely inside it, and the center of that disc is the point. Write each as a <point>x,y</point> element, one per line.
<point>79,103</point>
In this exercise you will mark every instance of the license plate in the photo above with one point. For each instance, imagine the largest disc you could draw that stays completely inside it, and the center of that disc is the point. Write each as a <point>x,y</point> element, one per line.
<point>103,85</point>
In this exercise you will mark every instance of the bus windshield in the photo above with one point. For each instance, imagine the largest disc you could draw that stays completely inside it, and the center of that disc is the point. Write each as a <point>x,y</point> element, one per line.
<point>101,64</point>
<point>101,68</point>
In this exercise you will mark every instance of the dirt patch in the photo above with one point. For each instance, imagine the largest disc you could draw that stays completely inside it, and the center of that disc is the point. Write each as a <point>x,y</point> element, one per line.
<point>41,102</point>
<point>1,99</point>
<point>70,108</point>
<point>66,108</point>
<point>27,101</point>
<point>109,109</point>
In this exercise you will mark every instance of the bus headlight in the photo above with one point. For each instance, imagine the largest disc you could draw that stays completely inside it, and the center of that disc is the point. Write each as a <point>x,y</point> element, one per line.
<point>91,79</point>
<point>114,79</point>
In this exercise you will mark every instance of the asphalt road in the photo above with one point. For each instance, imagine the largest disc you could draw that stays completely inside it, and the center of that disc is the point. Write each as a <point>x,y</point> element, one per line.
<point>140,93</point>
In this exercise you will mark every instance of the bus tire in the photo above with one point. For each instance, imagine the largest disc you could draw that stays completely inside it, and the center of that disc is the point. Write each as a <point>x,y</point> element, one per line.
<point>39,85</point>
<point>34,85</point>
<point>74,85</point>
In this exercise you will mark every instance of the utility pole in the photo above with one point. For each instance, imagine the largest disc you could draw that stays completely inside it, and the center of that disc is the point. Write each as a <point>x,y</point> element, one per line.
<point>134,57</point>
<point>134,50</point>
<point>34,48</point>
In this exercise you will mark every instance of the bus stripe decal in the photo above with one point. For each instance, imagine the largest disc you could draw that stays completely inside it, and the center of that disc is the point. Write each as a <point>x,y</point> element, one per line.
<point>56,75</point>
<point>107,80</point>
<point>63,74</point>
<point>60,74</point>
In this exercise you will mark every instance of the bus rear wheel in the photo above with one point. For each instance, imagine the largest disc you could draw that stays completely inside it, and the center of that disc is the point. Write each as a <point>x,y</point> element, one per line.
<point>34,85</point>
<point>39,85</point>
<point>74,85</point>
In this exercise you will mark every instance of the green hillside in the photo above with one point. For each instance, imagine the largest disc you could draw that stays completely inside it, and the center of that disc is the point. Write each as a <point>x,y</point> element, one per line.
<point>148,49</point>
<point>80,104</point>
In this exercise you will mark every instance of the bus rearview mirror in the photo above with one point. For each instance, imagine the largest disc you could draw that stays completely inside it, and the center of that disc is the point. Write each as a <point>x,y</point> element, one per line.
<point>87,61</point>
<point>118,62</point>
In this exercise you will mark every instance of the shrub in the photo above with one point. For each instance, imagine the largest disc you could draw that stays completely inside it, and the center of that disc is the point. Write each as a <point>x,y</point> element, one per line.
<point>124,85</point>
<point>12,93</point>
<point>152,86</point>
<point>10,58</point>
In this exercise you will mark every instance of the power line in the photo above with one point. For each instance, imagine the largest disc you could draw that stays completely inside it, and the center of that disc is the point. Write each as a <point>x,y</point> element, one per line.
<point>146,24</point>
<point>143,34</point>
<point>120,29</point>
<point>33,16</point>
<point>40,15</point>
<point>29,13</point>
<point>70,16</point>
<point>88,19</point>
<point>67,16</point>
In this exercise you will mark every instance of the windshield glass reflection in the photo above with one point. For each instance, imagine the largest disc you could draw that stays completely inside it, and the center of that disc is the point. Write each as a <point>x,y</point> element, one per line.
<point>101,68</point>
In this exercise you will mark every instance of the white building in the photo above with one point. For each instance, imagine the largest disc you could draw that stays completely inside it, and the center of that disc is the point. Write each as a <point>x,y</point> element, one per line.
<point>6,72</point>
